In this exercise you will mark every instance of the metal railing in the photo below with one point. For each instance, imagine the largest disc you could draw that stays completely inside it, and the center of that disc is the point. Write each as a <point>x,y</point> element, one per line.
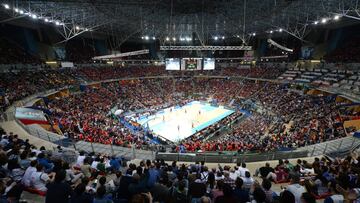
<point>68,144</point>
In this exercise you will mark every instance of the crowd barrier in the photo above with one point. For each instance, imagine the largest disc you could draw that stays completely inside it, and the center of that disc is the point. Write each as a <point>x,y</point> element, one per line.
<point>226,158</point>
<point>339,147</point>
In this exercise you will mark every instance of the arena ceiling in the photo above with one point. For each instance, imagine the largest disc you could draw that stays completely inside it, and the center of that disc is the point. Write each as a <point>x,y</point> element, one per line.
<point>188,19</point>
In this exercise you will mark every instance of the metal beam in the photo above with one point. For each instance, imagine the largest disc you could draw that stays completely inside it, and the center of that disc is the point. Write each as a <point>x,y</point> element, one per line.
<point>205,48</point>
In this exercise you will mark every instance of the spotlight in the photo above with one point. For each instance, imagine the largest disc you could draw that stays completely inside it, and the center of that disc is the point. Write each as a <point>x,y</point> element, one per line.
<point>316,22</point>
<point>337,17</point>
<point>86,29</point>
<point>167,39</point>
<point>280,30</point>
<point>77,27</point>
<point>271,31</point>
<point>216,38</point>
<point>34,16</point>
<point>57,23</point>
<point>182,39</point>
<point>21,11</point>
<point>46,20</point>
<point>16,10</point>
<point>324,20</point>
<point>142,37</point>
<point>6,6</point>
<point>153,38</point>
<point>188,39</point>
<point>146,37</point>
<point>222,37</point>
<point>254,34</point>
<point>237,36</point>
<point>174,39</point>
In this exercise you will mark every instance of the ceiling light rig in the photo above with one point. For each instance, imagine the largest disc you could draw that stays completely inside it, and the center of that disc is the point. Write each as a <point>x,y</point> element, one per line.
<point>325,20</point>
<point>35,16</point>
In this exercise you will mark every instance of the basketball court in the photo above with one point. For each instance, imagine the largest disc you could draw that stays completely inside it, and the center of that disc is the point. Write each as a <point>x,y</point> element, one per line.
<point>177,123</point>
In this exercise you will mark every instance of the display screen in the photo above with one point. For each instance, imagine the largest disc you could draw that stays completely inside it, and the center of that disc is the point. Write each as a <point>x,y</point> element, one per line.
<point>209,64</point>
<point>172,64</point>
<point>191,64</point>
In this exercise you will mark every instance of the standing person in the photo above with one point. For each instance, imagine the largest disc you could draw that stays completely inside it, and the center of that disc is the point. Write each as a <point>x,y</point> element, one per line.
<point>58,191</point>
<point>197,189</point>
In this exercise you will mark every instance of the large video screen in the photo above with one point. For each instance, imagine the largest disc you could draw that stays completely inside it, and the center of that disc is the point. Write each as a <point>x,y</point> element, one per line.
<point>191,64</point>
<point>172,64</point>
<point>209,64</point>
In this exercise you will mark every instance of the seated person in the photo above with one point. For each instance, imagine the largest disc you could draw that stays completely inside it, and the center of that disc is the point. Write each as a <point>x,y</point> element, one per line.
<point>39,179</point>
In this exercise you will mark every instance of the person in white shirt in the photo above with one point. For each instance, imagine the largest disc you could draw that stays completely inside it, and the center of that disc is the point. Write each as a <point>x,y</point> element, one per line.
<point>204,174</point>
<point>39,179</point>
<point>242,170</point>
<point>71,176</point>
<point>248,181</point>
<point>233,174</point>
<point>27,175</point>
<point>80,159</point>
<point>95,163</point>
<point>295,188</point>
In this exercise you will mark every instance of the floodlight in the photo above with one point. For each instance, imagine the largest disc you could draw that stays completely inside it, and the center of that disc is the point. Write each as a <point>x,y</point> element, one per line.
<point>16,10</point>
<point>222,37</point>
<point>316,22</point>
<point>280,30</point>
<point>21,11</point>
<point>216,38</point>
<point>6,6</point>
<point>254,34</point>
<point>337,17</point>
<point>146,37</point>
<point>324,20</point>
<point>167,39</point>
<point>77,27</point>
<point>271,31</point>
<point>174,39</point>
<point>153,38</point>
<point>33,16</point>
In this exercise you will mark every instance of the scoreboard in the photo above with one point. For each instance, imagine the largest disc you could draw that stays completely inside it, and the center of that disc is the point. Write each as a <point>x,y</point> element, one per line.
<point>190,64</point>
